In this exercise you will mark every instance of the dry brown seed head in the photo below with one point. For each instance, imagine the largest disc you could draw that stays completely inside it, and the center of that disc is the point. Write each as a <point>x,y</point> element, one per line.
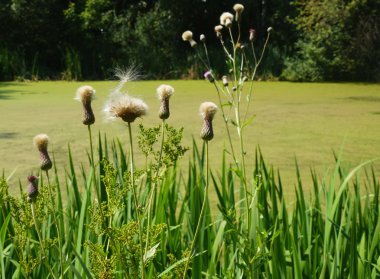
<point>85,94</point>
<point>125,107</point>
<point>164,91</point>
<point>207,110</point>
<point>41,141</point>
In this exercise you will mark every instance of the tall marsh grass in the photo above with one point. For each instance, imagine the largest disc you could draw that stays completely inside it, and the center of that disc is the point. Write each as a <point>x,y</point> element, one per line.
<point>334,233</point>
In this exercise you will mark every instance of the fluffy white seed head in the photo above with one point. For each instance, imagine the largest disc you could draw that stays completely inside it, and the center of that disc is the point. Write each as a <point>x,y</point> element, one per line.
<point>85,94</point>
<point>188,36</point>
<point>126,75</point>
<point>239,8</point>
<point>226,19</point>
<point>207,110</point>
<point>123,106</point>
<point>164,91</point>
<point>218,28</point>
<point>41,141</point>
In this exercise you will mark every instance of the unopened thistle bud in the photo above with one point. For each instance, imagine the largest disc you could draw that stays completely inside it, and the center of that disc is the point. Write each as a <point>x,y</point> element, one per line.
<point>225,81</point>
<point>188,36</point>
<point>252,35</point>
<point>32,191</point>
<point>202,38</point>
<point>85,94</point>
<point>218,30</point>
<point>207,111</point>
<point>270,29</point>
<point>208,75</point>
<point>239,8</point>
<point>226,19</point>
<point>164,92</point>
<point>41,141</point>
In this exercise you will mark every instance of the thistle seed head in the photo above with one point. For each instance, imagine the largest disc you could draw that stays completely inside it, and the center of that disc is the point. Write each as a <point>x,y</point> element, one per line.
<point>218,30</point>
<point>202,38</point>
<point>164,91</point>
<point>226,19</point>
<point>225,80</point>
<point>187,36</point>
<point>85,94</point>
<point>32,191</point>
<point>121,105</point>
<point>207,110</point>
<point>252,35</point>
<point>239,8</point>
<point>125,107</point>
<point>41,141</point>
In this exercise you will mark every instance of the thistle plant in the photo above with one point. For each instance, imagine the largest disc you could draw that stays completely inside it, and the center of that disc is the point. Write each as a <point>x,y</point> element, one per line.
<point>121,105</point>
<point>207,111</point>
<point>235,97</point>
<point>164,92</point>
<point>41,141</point>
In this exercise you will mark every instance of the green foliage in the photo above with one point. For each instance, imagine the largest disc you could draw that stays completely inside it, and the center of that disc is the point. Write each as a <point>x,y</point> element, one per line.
<point>340,222</point>
<point>172,150</point>
<point>328,47</point>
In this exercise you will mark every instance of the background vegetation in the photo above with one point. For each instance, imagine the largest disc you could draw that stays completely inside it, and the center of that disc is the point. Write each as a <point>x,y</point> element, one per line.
<point>60,39</point>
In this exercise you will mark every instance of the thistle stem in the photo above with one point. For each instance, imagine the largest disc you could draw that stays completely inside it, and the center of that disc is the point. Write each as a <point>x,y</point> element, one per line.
<point>136,200</point>
<point>93,162</point>
<point>92,151</point>
<point>225,120</point>
<point>200,214</point>
<point>207,56</point>
<point>40,241</point>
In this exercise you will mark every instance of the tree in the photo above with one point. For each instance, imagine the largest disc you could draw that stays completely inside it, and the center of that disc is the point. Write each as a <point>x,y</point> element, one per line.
<point>327,48</point>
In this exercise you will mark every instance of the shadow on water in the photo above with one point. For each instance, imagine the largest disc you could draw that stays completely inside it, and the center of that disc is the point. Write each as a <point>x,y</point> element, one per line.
<point>8,135</point>
<point>364,98</point>
<point>6,92</point>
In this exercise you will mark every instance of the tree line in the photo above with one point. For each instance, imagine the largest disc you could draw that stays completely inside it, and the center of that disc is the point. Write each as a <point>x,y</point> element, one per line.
<point>313,40</point>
